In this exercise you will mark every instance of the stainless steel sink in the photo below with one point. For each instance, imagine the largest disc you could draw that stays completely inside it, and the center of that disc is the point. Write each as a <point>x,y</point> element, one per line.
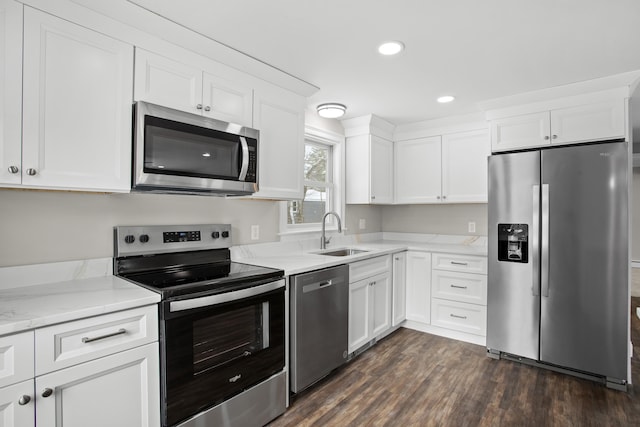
<point>343,252</point>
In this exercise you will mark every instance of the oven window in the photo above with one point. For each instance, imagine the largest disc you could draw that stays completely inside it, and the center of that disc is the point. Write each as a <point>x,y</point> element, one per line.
<point>225,337</point>
<point>181,149</point>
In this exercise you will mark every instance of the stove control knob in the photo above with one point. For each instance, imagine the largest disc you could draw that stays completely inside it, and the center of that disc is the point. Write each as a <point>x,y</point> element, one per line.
<point>144,238</point>
<point>129,238</point>
<point>225,234</point>
<point>215,234</point>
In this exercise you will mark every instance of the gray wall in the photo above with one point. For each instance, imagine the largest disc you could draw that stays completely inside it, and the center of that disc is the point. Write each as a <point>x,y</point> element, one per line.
<point>48,226</point>
<point>435,219</point>
<point>372,216</point>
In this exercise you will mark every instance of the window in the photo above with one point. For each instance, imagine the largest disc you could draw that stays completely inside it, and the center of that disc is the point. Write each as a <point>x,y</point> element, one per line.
<point>321,190</point>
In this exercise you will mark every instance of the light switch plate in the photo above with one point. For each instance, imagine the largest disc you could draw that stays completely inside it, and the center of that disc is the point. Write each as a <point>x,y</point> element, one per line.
<point>362,224</point>
<point>255,232</point>
<point>472,227</point>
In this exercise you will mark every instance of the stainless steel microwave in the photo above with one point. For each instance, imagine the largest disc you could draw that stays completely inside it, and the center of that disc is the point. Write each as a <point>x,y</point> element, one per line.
<point>178,152</point>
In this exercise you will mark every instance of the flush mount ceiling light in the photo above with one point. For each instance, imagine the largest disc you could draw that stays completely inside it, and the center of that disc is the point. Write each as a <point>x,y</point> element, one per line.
<point>391,48</point>
<point>331,110</point>
<point>446,98</point>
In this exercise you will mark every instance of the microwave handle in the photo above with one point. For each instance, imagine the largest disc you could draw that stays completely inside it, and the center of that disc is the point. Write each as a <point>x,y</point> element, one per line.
<point>245,159</point>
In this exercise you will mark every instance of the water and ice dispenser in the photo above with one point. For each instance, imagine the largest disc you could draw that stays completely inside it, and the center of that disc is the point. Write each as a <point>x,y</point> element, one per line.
<point>513,242</point>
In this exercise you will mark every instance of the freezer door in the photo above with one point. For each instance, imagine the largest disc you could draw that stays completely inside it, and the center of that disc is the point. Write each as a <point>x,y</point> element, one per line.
<point>513,304</point>
<point>585,259</point>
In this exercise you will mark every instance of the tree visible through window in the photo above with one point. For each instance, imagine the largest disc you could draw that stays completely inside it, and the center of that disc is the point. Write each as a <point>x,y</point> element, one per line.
<point>318,186</point>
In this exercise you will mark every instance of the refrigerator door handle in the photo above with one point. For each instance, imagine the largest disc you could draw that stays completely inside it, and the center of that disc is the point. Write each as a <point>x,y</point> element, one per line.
<point>544,237</point>
<point>535,242</point>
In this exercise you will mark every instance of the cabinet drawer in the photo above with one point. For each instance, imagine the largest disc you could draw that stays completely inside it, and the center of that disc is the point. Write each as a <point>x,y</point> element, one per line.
<point>67,344</point>
<point>463,263</point>
<point>460,316</point>
<point>456,286</point>
<point>369,267</point>
<point>16,358</point>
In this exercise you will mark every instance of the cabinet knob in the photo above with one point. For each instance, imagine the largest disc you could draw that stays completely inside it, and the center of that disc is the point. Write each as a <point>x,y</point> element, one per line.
<point>199,106</point>
<point>444,197</point>
<point>207,108</point>
<point>554,136</point>
<point>31,172</point>
<point>24,399</point>
<point>13,169</point>
<point>546,137</point>
<point>373,197</point>
<point>438,197</point>
<point>47,392</point>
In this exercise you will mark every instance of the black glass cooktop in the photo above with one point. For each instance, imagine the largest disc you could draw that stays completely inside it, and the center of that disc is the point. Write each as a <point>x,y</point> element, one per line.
<point>171,276</point>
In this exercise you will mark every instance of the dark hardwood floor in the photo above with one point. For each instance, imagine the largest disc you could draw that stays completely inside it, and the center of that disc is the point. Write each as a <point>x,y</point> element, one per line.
<point>416,379</point>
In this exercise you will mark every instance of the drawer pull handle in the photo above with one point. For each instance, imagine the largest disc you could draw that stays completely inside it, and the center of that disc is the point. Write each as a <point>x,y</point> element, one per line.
<point>458,317</point>
<point>101,337</point>
<point>459,263</point>
<point>458,287</point>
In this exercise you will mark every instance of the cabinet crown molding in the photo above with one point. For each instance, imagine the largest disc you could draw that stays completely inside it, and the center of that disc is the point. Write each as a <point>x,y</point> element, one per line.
<point>445,125</point>
<point>369,124</point>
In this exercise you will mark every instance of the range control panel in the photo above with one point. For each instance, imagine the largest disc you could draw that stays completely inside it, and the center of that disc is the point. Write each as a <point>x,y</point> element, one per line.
<point>154,239</point>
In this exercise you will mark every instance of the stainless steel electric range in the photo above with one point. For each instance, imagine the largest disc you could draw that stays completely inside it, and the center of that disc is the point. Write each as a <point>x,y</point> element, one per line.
<point>222,324</point>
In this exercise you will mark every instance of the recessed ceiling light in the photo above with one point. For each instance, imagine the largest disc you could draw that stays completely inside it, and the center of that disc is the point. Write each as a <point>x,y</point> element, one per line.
<point>331,110</point>
<point>206,155</point>
<point>391,48</point>
<point>446,98</point>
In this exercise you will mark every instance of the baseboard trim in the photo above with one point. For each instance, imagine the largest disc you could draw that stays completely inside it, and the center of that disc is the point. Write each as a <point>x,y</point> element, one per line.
<point>447,333</point>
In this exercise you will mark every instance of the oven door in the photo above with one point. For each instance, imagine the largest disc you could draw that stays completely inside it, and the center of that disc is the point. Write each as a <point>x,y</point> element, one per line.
<point>214,347</point>
<point>178,150</point>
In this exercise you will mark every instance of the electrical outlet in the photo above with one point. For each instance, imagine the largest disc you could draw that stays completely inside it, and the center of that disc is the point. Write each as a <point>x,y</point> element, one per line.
<point>363,224</point>
<point>255,232</point>
<point>472,226</point>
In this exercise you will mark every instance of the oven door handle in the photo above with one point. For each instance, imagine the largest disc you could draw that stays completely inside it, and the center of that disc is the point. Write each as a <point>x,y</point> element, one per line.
<point>192,303</point>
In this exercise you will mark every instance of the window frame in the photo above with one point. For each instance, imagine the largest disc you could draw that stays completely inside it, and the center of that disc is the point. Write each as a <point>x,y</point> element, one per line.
<point>335,192</point>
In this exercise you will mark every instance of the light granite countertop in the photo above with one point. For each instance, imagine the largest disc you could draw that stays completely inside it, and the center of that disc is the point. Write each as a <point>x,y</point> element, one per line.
<point>33,303</point>
<point>303,256</point>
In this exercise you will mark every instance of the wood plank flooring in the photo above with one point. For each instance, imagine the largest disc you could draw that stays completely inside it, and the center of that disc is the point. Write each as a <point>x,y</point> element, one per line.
<point>416,379</point>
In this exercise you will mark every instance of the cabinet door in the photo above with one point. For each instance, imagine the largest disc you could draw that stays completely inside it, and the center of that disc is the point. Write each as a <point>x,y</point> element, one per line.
<point>527,130</point>
<point>380,304</point>
<point>419,286</point>
<point>226,100</point>
<point>464,166</point>
<point>399,298</point>
<point>418,170</point>
<point>10,91</point>
<point>166,82</point>
<point>117,390</point>
<point>588,123</point>
<point>76,106</point>
<point>15,410</point>
<point>16,358</point>
<point>359,320</point>
<point>381,171</point>
<point>279,116</point>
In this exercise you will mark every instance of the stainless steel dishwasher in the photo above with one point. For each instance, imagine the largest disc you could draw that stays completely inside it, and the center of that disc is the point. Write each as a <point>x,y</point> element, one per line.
<point>319,324</point>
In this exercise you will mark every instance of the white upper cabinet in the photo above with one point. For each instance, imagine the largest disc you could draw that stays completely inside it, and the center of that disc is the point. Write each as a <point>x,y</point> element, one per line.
<point>77,87</point>
<point>418,170</point>
<point>464,166</point>
<point>570,125</point>
<point>451,168</point>
<point>588,122</point>
<point>10,92</point>
<point>369,173</point>
<point>189,88</point>
<point>279,116</point>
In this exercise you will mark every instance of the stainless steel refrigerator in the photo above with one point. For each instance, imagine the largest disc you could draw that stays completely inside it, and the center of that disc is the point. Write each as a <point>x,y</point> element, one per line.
<point>558,279</point>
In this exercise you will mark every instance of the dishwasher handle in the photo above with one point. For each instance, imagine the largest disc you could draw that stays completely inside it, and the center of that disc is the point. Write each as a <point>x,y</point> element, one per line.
<point>324,284</point>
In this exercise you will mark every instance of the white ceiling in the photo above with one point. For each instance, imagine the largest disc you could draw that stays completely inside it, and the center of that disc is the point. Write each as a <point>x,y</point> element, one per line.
<point>475,50</point>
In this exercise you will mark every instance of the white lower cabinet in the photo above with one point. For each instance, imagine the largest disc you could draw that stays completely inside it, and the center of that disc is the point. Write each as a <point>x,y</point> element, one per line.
<point>369,301</point>
<point>16,405</point>
<point>117,390</point>
<point>399,285</point>
<point>101,371</point>
<point>419,286</point>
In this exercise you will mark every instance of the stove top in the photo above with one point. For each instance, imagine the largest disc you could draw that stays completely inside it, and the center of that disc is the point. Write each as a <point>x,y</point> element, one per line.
<point>184,260</point>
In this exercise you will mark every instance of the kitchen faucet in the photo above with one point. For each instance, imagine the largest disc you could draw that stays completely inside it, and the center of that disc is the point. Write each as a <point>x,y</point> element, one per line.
<point>323,240</point>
